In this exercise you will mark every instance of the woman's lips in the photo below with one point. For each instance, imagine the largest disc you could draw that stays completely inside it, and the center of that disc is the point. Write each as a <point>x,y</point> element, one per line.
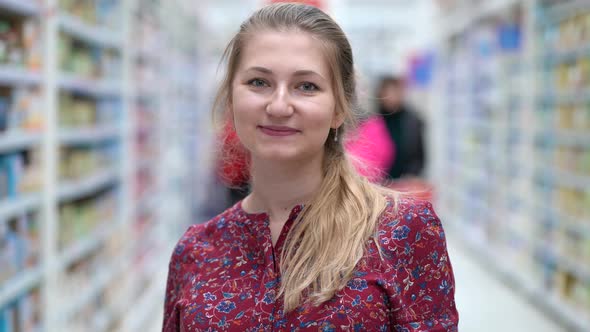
<point>278,130</point>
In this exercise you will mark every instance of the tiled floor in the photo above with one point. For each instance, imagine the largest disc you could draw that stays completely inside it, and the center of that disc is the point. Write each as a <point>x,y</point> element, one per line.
<point>487,305</point>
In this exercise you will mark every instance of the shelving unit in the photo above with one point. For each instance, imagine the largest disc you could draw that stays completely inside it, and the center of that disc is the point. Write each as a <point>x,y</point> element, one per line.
<point>89,144</point>
<point>515,118</point>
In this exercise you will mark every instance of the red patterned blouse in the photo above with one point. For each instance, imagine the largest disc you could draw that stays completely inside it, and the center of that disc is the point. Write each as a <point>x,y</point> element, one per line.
<point>223,276</point>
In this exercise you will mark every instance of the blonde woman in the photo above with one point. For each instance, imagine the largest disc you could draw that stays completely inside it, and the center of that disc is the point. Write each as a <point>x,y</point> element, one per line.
<point>314,246</point>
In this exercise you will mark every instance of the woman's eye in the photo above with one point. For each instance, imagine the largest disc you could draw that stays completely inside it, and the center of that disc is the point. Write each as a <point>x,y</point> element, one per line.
<point>308,87</point>
<point>257,83</point>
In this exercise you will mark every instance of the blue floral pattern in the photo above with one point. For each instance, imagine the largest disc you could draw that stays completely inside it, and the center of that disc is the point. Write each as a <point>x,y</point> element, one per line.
<point>223,276</point>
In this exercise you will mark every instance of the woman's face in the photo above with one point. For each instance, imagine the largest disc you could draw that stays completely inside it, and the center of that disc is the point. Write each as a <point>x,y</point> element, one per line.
<point>282,99</point>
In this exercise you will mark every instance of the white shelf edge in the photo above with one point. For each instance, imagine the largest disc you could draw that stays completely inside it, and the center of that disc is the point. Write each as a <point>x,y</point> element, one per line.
<point>15,75</point>
<point>99,36</point>
<point>12,207</point>
<point>18,140</point>
<point>89,135</point>
<point>18,285</point>
<point>75,189</point>
<point>94,88</point>
<point>21,7</point>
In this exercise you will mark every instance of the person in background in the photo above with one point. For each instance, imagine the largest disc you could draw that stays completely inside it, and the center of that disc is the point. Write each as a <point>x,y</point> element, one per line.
<point>404,126</point>
<point>314,246</point>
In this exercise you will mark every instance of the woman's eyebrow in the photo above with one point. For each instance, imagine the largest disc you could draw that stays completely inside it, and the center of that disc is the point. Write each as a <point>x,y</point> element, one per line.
<point>260,69</point>
<point>297,73</point>
<point>307,72</point>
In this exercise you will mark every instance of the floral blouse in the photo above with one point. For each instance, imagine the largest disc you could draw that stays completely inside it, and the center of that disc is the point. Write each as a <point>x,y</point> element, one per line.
<point>224,275</point>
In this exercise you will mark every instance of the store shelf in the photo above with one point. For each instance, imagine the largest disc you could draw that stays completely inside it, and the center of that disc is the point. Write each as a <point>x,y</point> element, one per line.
<point>88,244</point>
<point>565,137</point>
<point>76,189</point>
<point>97,287</point>
<point>11,207</point>
<point>147,204</point>
<point>580,271</point>
<point>574,97</point>
<point>103,320</point>
<point>573,224</point>
<point>555,57</point>
<point>11,75</point>
<point>113,314</point>
<point>535,294</point>
<point>98,36</point>
<point>566,263</point>
<point>564,178</point>
<point>18,285</point>
<point>146,305</point>
<point>89,135</point>
<point>18,140</point>
<point>466,16</point>
<point>90,87</point>
<point>555,306</point>
<point>563,10</point>
<point>20,7</point>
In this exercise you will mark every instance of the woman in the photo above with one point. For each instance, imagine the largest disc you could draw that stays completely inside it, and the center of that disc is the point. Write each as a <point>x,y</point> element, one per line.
<point>314,246</point>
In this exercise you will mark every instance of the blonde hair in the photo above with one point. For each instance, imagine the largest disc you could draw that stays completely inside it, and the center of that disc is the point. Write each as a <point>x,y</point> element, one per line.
<point>330,234</point>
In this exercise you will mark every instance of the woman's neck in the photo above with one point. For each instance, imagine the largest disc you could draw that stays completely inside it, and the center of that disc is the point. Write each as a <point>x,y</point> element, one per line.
<point>278,187</point>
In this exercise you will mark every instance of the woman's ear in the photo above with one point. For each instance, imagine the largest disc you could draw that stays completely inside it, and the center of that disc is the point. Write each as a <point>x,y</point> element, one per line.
<point>338,120</point>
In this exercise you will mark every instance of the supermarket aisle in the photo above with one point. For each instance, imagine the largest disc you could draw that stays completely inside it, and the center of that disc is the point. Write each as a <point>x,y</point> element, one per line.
<point>485,304</point>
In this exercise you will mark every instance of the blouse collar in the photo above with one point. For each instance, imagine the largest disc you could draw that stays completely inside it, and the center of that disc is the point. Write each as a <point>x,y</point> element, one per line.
<point>263,216</point>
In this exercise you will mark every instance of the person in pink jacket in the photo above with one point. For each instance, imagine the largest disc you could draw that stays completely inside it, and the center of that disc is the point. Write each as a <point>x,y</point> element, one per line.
<point>371,149</point>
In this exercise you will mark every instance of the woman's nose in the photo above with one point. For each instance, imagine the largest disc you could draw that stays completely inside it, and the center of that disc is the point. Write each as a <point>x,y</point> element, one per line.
<point>280,103</point>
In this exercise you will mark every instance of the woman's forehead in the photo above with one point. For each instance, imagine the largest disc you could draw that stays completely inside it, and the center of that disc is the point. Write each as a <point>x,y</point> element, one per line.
<point>285,51</point>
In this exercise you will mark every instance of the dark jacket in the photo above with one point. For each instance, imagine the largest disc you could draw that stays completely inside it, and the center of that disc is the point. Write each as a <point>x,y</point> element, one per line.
<point>406,129</point>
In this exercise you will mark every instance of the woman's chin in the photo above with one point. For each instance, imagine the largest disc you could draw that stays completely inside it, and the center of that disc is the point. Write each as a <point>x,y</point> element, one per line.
<point>277,155</point>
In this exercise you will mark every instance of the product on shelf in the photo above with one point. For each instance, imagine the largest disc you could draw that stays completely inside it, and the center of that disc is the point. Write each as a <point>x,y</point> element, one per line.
<point>76,112</point>
<point>22,314</point>
<point>81,112</point>
<point>99,274</point>
<point>86,61</point>
<point>20,42</point>
<point>19,245</point>
<point>573,31</point>
<point>20,109</point>
<point>77,163</point>
<point>96,12</point>
<point>82,218</point>
<point>20,173</point>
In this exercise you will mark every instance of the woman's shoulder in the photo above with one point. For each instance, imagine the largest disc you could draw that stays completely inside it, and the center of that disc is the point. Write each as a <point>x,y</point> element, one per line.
<point>205,233</point>
<point>406,220</point>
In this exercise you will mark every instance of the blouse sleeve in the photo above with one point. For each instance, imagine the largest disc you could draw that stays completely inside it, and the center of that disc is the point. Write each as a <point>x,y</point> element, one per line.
<point>417,274</point>
<point>172,301</point>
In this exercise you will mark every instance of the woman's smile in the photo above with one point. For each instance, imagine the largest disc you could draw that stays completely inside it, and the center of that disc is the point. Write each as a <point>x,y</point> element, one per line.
<point>278,131</point>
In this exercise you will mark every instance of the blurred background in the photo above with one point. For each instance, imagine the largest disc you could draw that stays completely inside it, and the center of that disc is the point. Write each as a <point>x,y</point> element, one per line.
<point>107,149</point>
